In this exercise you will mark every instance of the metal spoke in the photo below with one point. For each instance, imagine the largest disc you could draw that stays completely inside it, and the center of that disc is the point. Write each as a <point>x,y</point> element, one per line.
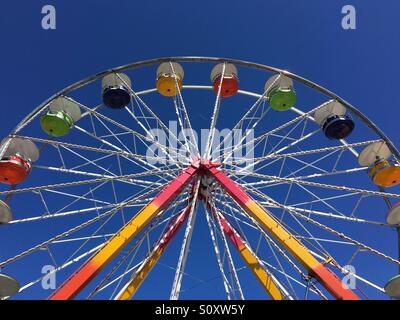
<point>186,124</point>
<point>227,286</point>
<point>321,185</point>
<point>176,286</point>
<point>228,252</point>
<point>74,229</point>
<point>214,117</point>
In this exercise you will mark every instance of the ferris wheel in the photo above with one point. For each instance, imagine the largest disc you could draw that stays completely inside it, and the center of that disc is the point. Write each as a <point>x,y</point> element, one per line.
<point>271,187</point>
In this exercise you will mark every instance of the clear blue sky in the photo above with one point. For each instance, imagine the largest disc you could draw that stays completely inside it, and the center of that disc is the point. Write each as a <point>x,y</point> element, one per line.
<point>304,37</point>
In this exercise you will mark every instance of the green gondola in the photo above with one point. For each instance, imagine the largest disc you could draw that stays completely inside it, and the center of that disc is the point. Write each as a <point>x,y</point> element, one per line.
<point>282,99</point>
<point>280,93</point>
<point>56,124</point>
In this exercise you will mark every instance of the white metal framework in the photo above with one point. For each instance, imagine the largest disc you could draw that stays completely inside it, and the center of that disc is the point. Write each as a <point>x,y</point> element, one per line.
<point>88,184</point>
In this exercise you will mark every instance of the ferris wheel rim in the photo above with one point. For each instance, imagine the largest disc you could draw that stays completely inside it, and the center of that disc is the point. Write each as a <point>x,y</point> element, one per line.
<point>243,63</point>
<point>187,59</point>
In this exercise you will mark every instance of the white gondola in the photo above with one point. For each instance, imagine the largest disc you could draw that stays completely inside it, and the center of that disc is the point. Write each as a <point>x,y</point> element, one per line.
<point>332,108</point>
<point>392,288</point>
<point>67,106</point>
<point>393,217</point>
<point>8,286</point>
<point>169,69</point>
<point>230,71</point>
<point>21,146</point>
<point>5,213</point>
<point>374,152</point>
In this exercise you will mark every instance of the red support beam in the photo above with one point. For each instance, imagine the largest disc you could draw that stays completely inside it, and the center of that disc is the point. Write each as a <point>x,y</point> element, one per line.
<point>249,257</point>
<point>315,268</point>
<point>75,284</point>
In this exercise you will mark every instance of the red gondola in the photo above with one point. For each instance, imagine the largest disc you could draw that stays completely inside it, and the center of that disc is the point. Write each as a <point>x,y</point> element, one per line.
<point>230,82</point>
<point>14,169</point>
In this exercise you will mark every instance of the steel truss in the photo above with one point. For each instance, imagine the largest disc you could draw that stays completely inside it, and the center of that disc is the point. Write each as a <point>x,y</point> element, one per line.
<point>76,283</point>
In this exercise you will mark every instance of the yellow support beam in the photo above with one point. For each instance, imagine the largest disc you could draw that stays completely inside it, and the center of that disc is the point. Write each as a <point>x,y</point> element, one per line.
<point>129,290</point>
<point>135,282</point>
<point>95,264</point>
<point>288,241</point>
<point>252,261</point>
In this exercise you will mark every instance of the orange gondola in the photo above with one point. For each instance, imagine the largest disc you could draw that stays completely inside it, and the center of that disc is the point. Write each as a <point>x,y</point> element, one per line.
<point>382,172</point>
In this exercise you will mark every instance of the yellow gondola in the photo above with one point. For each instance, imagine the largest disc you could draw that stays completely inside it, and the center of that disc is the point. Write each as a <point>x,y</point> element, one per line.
<point>169,78</point>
